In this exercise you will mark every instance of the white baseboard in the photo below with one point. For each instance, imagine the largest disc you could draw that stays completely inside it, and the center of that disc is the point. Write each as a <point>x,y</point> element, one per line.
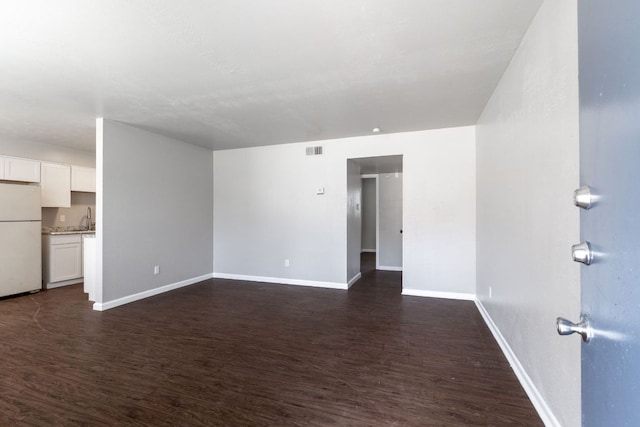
<point>536,398</point>
<point>368,250</point>
<point>354,279</point>
<point>146,294</point>
<point>282,281</point>
<point>438,294</point>
<point>388,268</point>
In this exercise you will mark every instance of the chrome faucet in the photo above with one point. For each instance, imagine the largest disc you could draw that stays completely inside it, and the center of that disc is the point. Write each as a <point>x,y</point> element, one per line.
<point>88,218</point>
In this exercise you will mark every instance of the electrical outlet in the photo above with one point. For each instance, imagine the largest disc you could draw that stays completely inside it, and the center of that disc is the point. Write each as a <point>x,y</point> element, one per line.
<point>286,263</point>
<point>63,218</point>
<point>156,270</point>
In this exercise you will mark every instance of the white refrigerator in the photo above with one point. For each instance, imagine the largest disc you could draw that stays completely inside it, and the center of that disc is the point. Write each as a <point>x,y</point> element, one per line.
<point>20,239</point>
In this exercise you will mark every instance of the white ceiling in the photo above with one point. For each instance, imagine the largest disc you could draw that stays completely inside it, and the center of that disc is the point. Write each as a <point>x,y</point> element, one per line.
<point>236,73</point>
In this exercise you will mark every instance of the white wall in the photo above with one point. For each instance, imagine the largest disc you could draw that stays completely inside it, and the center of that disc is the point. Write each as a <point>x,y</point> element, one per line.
<point>368,214</point>
<point>527,159</point>
<point>47,152</point>
<point>354,219</point>
<point>390,221</point>
<point>266,209</point>
<point>157,204</point>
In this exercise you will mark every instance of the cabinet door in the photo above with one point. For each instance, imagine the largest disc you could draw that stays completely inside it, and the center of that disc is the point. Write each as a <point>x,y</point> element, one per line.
<point>24,170</point>
<point>55,185</point>
<point>65,262</point>
<point>2,167</point>
<point>83,179</point>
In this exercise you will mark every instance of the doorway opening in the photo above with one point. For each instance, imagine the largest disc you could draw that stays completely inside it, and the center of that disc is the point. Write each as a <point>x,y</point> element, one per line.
<point>374,215</point>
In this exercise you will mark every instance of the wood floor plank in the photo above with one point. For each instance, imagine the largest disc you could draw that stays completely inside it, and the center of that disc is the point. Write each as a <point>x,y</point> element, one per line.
<point>225,352</point>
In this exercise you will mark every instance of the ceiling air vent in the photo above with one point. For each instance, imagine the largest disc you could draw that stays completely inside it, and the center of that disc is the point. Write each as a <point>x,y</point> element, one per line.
<point>314,151</point>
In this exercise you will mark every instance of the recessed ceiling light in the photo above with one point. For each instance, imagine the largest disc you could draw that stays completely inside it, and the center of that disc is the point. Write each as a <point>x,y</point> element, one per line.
<point>376,130</point>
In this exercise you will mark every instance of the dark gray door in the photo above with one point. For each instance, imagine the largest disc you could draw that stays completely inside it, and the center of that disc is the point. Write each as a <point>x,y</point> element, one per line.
<point>609,58</point>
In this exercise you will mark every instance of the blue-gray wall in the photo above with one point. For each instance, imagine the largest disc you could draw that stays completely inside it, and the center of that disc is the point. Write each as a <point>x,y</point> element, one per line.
<point>157,210</point>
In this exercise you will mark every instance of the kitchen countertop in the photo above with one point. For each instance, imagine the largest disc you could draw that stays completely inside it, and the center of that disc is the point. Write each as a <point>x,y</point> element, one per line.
<point>58,231</point>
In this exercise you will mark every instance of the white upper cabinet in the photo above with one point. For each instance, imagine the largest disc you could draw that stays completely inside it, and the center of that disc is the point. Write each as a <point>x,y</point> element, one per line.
<point>14,169</point>
<point>55,185</point>
<point>83,179</point>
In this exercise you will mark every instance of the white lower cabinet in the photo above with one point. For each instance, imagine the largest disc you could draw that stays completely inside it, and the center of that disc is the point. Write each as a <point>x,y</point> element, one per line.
<point>89,265</point>
<point>62,260</point>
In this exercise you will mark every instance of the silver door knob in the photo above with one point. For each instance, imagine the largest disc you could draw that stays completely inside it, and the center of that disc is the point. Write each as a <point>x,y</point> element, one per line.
<point>566,327</point>
<point>582,197</point>
<point>582,253</point>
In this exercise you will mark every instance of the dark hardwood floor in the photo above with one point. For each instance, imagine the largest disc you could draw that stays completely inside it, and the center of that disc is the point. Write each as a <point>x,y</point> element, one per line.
<point>234,353</point>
